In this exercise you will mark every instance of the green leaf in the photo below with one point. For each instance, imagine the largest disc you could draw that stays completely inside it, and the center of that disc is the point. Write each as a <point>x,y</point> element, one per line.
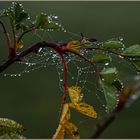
<point>8,125</point>
<point>118,84</point>
<point>54,23</point>
<point>116,39</point>
<point>112,44</point>
<point>3,13</point>
<point>101,58</point>
<point>41,20</point>
<point>17,14</point>
<point>109,75</point>
<point>110,93</point>
<point>53,26</point>
<point>136,63</point>
<point>23,26</point>
<point>11,135</point>
<point>132,51</point>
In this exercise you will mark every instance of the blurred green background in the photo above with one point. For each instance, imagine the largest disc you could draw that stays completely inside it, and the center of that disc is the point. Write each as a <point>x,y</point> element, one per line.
<point>34,99</point>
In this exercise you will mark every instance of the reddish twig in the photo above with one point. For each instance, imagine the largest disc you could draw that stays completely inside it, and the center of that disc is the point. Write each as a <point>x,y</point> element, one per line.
<point>125,98</point>
<point>60,48</point>
<point>65,76</point>
<point>24,33</point>
<point>22,54</point>
<point>7,35</point>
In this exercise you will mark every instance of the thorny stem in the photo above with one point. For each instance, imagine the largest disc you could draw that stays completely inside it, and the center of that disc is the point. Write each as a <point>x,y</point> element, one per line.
<point>65,76</point>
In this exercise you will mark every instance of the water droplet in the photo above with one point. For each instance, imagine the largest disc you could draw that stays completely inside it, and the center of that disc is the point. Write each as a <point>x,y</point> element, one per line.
<point>103,79</point>
<point>39,49</point>
<point>55,17</point>
<point>13,75</point>
<point>134,97</point>
<point>103,105</point>
<point>117,102</point>
<point>106,64</point>
<point>106,109</point>
<point>26,63</point>
<point>120,39</point>
<point>72,77</point>
<point>120,56</point>
<point>61,80</point>
<point>81,96</point>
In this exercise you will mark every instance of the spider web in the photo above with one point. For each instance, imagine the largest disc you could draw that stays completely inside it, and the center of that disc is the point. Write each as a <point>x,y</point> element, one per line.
<point>80,73</point>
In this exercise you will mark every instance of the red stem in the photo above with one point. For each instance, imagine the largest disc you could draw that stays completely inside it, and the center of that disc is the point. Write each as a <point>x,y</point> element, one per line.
<point>65,76</point>
<point>14,39</point>
<point>8,40</point>
<point>25,32</point>
<point>7,35</point>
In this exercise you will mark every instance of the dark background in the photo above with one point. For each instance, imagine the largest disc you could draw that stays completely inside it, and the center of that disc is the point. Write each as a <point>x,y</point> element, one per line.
<point>33,99</point>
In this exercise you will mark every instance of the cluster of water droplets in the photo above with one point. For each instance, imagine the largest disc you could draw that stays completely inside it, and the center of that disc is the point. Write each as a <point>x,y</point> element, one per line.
<point>80,73</point>
<point>32,62</point>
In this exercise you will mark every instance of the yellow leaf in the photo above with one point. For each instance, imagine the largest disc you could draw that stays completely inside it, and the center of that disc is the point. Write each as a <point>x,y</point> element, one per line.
<point>71,130</point>
<point>74,46</point>
<point>65,115</point>
<point>75,94</point>
<point>84,109</point>
<point>60,132</point>
<point>19,44</point>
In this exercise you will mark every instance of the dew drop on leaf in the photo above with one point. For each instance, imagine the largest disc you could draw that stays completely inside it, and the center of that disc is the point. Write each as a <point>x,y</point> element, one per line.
<point>106,64</point>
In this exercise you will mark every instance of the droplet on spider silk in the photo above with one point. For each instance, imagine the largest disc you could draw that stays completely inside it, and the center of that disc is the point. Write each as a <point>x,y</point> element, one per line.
<point>39,49</point>
<point>120,39</point>
<point>19,75</point>
<point>61,80</point>
<point>72,78</point>
<point>106,64</point>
